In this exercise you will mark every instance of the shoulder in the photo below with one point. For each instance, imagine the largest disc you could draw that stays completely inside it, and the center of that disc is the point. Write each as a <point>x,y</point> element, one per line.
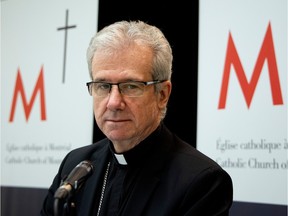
<point>182,151</point>
<point>88,152</point>
<point>198,168</point>
<point>192,170</point>
<point>190,160</point>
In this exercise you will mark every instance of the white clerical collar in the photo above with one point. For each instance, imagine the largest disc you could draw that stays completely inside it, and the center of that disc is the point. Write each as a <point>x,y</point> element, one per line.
<point>121,159</point>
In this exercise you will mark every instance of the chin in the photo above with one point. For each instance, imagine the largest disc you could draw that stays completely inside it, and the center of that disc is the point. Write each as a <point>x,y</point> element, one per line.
<point>118,136</point>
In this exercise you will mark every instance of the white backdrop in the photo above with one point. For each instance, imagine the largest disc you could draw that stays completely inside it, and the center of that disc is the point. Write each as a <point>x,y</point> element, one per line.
<point>39,57</point>
<point>246,136</point>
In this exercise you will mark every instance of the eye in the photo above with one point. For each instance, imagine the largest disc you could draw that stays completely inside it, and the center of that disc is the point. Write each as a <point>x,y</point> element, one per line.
<point>103,86</point>
<point>131,86</point>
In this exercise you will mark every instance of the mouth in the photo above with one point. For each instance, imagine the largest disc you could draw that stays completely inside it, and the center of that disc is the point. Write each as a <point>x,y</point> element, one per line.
<point>117,120</point>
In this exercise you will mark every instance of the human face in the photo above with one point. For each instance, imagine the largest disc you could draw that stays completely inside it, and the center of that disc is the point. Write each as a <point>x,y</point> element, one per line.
<point>126,121</point>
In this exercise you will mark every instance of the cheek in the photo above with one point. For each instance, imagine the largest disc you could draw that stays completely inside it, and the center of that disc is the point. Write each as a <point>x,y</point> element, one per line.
<point>148,110</point>
<point>98,109</point>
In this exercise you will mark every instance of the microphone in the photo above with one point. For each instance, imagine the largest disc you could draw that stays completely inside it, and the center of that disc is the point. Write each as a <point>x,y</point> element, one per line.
<point>74,180</point>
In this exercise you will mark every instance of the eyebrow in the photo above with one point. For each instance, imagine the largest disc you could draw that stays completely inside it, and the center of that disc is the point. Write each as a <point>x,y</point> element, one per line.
<point>124,80</point>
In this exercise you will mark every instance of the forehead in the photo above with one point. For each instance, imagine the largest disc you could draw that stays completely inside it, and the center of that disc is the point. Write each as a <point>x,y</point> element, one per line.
<point>134,60</point>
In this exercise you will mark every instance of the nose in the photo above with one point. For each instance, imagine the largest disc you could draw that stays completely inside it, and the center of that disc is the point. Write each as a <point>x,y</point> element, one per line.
<point>115,100</point>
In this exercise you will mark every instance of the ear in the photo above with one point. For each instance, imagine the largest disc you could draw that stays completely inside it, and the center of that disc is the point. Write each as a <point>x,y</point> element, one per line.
<point>164,94</point>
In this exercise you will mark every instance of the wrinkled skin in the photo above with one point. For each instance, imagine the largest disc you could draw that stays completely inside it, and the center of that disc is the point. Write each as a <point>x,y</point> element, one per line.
<point>126,121</point>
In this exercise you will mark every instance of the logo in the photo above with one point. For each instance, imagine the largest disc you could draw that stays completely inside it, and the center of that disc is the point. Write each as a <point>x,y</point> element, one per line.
<point>267,53</point>
<point>19,93</point>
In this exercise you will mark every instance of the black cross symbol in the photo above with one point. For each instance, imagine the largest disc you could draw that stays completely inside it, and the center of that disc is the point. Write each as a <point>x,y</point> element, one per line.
<point>66,27</point>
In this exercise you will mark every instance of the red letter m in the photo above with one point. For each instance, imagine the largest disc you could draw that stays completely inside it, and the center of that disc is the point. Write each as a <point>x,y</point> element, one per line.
<point>266,52</point>
<point>39,87</point>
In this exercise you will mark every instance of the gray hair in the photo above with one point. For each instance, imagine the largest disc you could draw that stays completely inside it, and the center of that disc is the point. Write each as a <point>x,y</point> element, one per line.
<point>120,34</point>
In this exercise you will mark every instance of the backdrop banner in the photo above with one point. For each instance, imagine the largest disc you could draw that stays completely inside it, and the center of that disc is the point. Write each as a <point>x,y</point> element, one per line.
<point>46,110</point>
<point>242,95</point>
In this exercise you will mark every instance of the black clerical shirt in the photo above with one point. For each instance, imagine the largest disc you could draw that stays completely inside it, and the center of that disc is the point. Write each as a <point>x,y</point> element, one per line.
<point>122,173</point>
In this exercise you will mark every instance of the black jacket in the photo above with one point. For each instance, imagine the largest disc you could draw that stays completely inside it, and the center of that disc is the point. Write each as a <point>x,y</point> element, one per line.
<point>175,180</point>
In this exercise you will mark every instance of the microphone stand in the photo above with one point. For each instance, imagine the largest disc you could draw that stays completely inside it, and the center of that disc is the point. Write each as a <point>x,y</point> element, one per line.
<point>63,197</point>
<point>64,207</point>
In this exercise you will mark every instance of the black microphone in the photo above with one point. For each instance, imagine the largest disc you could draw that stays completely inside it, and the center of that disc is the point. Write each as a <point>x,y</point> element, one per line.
<point>74,180</point>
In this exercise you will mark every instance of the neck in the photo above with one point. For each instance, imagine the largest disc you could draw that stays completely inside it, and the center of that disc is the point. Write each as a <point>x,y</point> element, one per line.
<point>126,145</point>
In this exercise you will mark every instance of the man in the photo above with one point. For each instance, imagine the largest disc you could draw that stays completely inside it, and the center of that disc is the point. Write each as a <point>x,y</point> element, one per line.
<point>141,168</point>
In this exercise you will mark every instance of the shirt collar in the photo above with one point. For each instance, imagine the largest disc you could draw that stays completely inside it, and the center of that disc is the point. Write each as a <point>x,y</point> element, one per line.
<point>139,154</point>
<point>120,159</point>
